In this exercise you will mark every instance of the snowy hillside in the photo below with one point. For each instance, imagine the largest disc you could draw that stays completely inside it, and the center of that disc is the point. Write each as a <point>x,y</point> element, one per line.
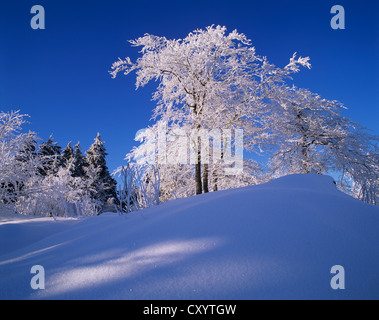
<point>273,241</point>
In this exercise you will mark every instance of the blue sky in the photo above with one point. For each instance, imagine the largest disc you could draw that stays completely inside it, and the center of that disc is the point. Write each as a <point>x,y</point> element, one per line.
<point>59,76</point>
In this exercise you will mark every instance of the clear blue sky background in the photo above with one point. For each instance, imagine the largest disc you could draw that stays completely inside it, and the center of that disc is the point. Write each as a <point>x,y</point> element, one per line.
<point>59,76</point>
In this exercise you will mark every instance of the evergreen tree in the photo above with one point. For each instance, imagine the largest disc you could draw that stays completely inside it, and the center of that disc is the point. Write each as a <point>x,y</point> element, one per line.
<point>78,162</point>
<point>50,154</point>
<point>67,155</point>
<point>28,150</point>
<point>103,184</point>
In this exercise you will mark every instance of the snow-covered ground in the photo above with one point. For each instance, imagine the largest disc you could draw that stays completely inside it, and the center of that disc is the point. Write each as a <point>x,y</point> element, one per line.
<point>273,241</point>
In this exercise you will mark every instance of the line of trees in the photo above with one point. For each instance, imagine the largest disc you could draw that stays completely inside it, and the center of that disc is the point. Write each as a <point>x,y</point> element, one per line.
<point>46,180</point>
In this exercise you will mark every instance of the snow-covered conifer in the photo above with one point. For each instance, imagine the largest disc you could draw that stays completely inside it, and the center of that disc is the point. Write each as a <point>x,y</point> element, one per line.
<point>50,154</point>
<point>67,154</point>
<point>78,162</point>
<point>103,184</point>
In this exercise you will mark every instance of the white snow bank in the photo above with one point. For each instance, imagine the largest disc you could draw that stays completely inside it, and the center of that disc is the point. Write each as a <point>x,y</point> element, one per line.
<point>274,241</point>
<point>18,231</point>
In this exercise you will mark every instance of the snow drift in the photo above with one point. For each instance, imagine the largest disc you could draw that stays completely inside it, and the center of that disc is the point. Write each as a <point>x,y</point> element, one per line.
<point>278,240</point>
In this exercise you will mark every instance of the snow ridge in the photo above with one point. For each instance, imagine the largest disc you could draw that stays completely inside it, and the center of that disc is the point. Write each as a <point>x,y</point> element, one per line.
<point>273,241</point>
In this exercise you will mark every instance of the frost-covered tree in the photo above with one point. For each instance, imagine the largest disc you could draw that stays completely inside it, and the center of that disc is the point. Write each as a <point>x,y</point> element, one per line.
<point>31,182</point>
<point>57,194</point>
<point>355,158</point>
<point>168,151</point>
<point>18,162</point>
<point>214,80</point>
<point>78,162</point>
<point>28,149</point>
<point>208,80</point>
<point>139,187</point>
<point>50,154</point>
<point>103,186</point>
<point>310,134</point>
<point>67,155</point>
<point>300,126</point>
<point>28,164</point>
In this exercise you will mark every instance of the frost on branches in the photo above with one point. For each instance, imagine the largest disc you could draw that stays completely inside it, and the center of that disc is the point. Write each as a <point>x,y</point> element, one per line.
<point>14,171</point>
<point>139,187</point>
<point>309,134</point>
<point>169,153</point>
<point>41,181</point>
<point>211,80</point>
<point>208,80</point>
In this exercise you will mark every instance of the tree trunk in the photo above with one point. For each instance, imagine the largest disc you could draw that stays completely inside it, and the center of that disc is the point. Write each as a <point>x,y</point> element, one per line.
<point>215,180</point>
<point>215,173</point>
<point>205,178</point>
<point>304,152</point>
<point>199,189</point>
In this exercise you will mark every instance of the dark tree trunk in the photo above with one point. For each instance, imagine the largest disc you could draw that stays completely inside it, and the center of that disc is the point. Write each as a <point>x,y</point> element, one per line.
<point>205,178</point>
<point>304,151</point>
<point>198,182</point>
<point>199,189</point>
<point>215,180</point>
